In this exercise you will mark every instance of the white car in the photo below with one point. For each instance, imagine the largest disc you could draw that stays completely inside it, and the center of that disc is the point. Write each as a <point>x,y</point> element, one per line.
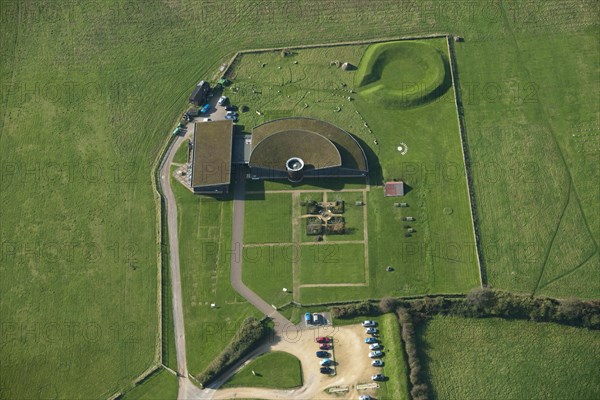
<point>206,119</point>
<point>369,323</point>
<point>374,346</point>
<point>365,397</point>
<point>375,354</point>
<point>222,100</point>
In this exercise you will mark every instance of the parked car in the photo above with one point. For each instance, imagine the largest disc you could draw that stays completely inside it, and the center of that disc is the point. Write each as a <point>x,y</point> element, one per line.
<point>323,339</point>
<point>378,377</point>
<point>323,354</point>
<point>377,363</point>
<point>326,370</point>
<point>231,108</point>
<point>370,340</point>
<point>316,318</point>
<point>325,362</point>
<point>205,108</point>
<point>234,118</point>
<point>206,119</point>
<point>365,397</point>
<point>369,323</point>
<point>222,100</point>
<point>371,331</point>
<point>325,346</point>
<point>307,317</point>
<point>375,354</point>
<point>374,346</point>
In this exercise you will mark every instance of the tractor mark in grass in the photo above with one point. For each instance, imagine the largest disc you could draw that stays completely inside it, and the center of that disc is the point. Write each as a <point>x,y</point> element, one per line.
<point>571,188</point>
<point>569,272</point>
<point>549,249</point>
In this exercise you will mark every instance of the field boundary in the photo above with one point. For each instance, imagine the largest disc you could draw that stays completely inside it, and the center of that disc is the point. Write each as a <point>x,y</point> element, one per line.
<point>234,59</point>
<point>465,153</point>
<point>159,205</point>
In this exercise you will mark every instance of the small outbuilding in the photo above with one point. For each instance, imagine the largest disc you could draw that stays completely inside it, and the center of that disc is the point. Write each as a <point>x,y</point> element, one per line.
<point>394,189</point>
<point>200,93</point>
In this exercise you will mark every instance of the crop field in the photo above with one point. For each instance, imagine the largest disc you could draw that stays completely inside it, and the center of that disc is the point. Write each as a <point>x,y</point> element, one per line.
<point>89,95</point>
<point>499,359</point>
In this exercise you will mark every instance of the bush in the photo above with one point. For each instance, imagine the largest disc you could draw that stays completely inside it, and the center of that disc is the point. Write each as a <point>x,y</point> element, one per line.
<point>420,390</point>
<point>388,304</point>
<point>354,310</point>
<point>250,333</point>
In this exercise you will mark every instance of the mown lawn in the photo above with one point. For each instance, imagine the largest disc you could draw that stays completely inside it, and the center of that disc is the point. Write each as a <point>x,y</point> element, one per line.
<point>267,270</point>
<point>498,359</point>
<point>307,184</point>
<point>160,386</point>
<point>268,218</point>
<point>332,263</point>
<point>275,370</point>
<point>440,255</point>
<point>181,156</point>
<point>204,252</point>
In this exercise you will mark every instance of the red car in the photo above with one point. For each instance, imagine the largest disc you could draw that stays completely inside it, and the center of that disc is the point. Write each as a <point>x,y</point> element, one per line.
<point>325,346</point>
<point>323,339</point>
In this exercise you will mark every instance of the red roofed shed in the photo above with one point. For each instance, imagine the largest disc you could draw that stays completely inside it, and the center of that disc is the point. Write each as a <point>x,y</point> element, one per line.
<point>394,189</point>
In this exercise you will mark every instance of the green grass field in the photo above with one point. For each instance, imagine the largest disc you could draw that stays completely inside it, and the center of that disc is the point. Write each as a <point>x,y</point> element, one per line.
<point>440,257</point>
<point>531,111</point>
<point>422,74</point>
<point>90,94</point>
<point>498,359</point>
<point>267,270</point>
<point>181,156</point>
<point>268,218</point>
<point>307,184</point>
<point>395,367</point>
<point>332,263</point>
<point>269,369</point>
<point>160,386</point>
<point>204,253</point>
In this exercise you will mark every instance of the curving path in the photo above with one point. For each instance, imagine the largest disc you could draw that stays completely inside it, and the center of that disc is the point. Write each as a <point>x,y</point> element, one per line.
<point>171,210</point>
<point>237,240</point>
<point>187,390</point>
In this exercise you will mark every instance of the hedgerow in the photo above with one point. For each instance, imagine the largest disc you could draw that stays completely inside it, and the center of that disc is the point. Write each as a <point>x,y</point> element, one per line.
<point>247,337</point>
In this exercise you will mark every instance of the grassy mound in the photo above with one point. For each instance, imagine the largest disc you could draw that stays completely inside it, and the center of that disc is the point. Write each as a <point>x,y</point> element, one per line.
<point>401,74</point>
<point>277,370</point>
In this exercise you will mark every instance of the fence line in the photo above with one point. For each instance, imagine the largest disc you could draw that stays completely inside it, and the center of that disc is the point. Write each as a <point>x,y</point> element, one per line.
<point>466,161</point>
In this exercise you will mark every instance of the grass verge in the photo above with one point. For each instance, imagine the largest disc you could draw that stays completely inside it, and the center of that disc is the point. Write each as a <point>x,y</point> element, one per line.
<point>275,370</point>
